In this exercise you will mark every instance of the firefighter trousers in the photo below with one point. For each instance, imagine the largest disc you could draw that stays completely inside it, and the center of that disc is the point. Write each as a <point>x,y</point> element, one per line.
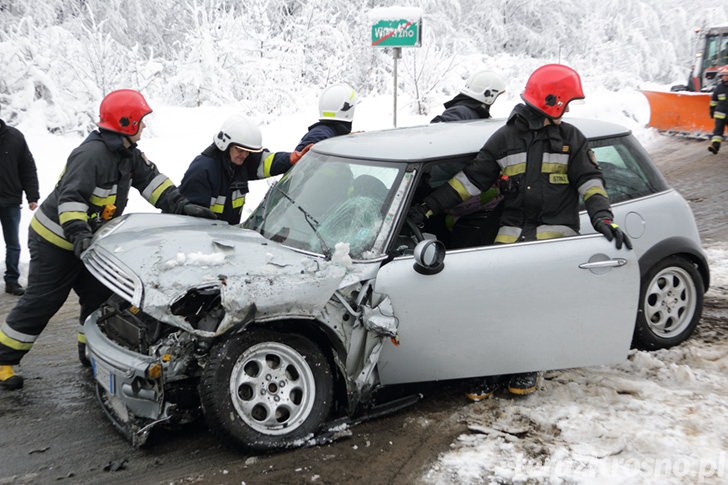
<point>52,274</point>
<point>719,128</point>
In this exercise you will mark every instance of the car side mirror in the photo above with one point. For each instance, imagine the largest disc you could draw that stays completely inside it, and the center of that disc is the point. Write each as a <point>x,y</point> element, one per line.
<point>429,256</point>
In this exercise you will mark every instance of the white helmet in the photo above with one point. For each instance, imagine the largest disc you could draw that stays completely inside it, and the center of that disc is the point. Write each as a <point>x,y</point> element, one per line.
<point>337,102</point>
<point>241,131</point>
<point>484,86</point>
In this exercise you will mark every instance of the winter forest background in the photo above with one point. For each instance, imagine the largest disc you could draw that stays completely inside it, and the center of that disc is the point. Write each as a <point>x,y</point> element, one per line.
<point>265,56</point>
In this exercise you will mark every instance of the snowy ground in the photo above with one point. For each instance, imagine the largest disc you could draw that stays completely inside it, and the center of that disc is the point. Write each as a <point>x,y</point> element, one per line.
<point>658,418</point>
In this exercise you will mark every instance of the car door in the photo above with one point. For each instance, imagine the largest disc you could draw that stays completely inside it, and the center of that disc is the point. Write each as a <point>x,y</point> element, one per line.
<point>493,310</point>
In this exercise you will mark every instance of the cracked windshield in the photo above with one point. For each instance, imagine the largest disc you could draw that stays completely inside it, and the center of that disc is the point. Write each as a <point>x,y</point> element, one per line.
<point>325,201</point>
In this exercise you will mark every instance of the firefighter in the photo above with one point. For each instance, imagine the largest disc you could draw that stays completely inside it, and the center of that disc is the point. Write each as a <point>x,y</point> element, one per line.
<point>719,110</point>
<point>475,99</point>
<point>337,104</point>
<point>473,102</point>
<point>544,165</point>
<point>218,177</point>
<point>92,189</point>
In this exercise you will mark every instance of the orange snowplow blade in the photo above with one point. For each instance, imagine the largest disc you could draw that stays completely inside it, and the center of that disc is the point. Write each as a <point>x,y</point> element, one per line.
<point>680,112</point>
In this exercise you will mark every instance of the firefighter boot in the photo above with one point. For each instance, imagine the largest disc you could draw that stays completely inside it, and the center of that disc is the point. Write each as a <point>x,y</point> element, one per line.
<point>485,389</point>
<point>82,357</point>
<point>8,380</point>
<point>522,384</point>
<point>714,147</point>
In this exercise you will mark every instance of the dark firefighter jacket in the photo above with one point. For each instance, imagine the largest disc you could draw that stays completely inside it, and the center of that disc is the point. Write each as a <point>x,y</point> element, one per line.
<point>17,168</point>
<point>322,130</point>
<point>97,176</point>
<point>543,170</point>
<point>213,181</point>
<point>719,101</point>
<point>463,107</point>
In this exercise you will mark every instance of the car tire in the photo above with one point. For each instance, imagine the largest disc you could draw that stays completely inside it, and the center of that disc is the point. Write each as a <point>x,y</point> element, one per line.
<point>670,306</point>
<point>263,390</point>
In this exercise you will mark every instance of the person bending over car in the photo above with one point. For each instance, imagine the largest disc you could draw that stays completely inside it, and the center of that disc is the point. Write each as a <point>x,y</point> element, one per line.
<point>92,190</point>
<point>543,165</point>
<point>337,104</point>
<point>218,177</point>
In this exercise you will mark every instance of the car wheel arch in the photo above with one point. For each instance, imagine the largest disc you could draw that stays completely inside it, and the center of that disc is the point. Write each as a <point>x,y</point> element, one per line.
<point>327,340</point>
<point>676,246</point>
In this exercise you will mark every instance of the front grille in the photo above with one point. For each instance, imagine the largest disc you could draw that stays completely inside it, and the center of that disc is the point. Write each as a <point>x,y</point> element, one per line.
<point>129,330</point>
<point>117,277</point>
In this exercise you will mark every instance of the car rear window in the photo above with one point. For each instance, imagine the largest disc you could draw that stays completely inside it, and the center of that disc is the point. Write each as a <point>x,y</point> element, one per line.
<point>628,171</point>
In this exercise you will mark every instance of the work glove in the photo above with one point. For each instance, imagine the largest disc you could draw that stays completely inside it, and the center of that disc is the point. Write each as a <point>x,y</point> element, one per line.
<point>195,210</point>
<point>712,111</point>
<point>296,156</point>
<point>612,231</point>
<point>81,243</point>
<point>419,214</point>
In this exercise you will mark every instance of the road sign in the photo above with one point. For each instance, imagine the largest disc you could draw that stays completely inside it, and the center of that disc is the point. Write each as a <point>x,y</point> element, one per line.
<point>397,33</point>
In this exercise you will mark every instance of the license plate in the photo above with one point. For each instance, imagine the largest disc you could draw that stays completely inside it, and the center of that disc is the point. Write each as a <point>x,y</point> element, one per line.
<point>103,376</point>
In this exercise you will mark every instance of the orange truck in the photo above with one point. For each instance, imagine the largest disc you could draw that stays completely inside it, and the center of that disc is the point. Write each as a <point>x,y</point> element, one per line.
<point>684,109</point>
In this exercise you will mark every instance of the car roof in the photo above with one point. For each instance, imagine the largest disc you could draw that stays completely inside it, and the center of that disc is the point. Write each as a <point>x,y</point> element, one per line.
<point>438,140</point>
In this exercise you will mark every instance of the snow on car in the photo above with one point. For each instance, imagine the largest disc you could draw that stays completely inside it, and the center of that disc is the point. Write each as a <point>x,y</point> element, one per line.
<point>276,331</point>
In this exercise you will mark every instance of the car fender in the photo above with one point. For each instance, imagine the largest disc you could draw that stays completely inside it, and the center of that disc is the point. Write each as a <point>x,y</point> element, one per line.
<point>676,246</point>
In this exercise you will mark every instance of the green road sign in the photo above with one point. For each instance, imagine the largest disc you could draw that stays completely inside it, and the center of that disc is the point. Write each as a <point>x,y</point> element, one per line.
<point>397,33</point>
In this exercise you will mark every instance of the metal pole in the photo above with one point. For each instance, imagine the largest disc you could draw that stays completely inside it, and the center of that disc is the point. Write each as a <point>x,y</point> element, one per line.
<point>396,54</point>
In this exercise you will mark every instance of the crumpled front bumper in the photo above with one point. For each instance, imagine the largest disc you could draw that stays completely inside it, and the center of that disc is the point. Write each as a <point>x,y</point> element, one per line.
<point>122,373</point>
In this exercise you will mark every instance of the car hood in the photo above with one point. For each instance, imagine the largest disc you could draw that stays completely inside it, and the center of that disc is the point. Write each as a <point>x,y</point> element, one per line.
<point>153,260</point>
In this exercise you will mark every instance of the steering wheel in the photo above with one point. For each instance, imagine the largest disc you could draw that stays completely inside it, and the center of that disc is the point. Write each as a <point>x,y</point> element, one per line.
<point>416,232</point>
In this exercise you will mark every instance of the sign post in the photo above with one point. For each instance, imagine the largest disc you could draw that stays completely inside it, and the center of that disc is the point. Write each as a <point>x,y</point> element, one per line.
<point>396,27</point>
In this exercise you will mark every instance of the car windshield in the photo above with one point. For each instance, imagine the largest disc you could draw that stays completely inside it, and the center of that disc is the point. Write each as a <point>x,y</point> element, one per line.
<point>326,200</point>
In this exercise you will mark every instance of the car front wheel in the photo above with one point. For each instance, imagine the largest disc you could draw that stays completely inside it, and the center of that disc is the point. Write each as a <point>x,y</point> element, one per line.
<point>263,390</point>
<point>671,303</point>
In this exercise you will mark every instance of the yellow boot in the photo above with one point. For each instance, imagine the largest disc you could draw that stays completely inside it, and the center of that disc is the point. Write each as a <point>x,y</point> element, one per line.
<point>8,380</point>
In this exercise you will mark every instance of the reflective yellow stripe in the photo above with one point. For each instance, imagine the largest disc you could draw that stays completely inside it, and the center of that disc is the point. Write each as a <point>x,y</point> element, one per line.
<point>239,202</point>
<point>328,114</point>
<point>50,236</point>
<point>505,239</point>
<point>553,168</point>
<point>516,169</point>
<point>267,163</point>
<point>508,234</point>
<point>459,188</point>
<point>64,217</point>
<point>719,115</point>
<point>217,208</point>
<point>594,191</point>
<point>14,344</point>
<point>157,193</point>
<point>81,337</point>
<point>102,201</point>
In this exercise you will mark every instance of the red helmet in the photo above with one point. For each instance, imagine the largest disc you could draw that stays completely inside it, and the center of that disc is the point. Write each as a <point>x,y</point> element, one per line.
<point>551,88</point>
<point>122,111</point>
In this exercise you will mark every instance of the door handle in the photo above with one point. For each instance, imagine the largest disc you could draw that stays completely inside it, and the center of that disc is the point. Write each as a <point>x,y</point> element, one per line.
<point>609,263</point>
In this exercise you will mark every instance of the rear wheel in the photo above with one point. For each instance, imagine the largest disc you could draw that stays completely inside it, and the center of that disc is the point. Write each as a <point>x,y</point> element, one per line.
<point>264,390</point>
<point>671,303</point>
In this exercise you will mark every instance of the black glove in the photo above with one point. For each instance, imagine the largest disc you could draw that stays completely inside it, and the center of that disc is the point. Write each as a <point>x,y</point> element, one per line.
<point>195,210</point>
<point>712,111</point>
<point>81,243</point>
<point>419,214</point>
<point>612,231</point>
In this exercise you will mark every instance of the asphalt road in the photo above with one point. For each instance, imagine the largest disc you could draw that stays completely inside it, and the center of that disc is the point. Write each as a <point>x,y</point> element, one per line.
<point>54,431</point>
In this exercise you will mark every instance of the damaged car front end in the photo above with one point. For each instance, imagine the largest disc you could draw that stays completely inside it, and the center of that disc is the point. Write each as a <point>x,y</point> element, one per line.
<point>277,325</point>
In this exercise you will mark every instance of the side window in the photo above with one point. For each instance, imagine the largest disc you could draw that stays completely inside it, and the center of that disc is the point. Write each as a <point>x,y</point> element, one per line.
<point>622,167</point>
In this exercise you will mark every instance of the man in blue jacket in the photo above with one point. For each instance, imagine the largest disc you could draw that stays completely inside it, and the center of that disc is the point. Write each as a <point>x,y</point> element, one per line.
<point>336,114</point>
<point>218,177</point>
